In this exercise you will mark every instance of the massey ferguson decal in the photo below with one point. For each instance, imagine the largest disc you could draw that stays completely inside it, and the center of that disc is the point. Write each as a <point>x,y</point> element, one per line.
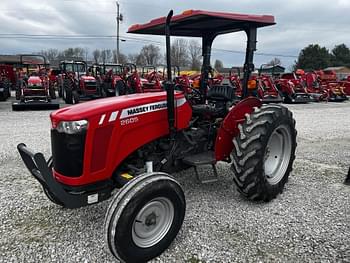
<point>142,109</point>
<point>151,107</point>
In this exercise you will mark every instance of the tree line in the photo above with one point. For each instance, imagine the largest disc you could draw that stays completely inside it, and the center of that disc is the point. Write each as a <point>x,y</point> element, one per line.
<point>315,57</point>
<point>183,54</point>
<point>187,54</point>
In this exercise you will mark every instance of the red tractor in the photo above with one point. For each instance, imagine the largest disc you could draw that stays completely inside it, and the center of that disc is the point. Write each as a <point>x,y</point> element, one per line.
<point>53,78</point>
<point>293,88</point>
<point>328,80</point>
<point>151,79</point>
<point>34,90</point>
<point>112,79</point>
<point>133,142</point>
<point>314,87</point>
<point>266,88</point>
<point>261,86</point>
<point>74,84</point>
<point>345,84</point>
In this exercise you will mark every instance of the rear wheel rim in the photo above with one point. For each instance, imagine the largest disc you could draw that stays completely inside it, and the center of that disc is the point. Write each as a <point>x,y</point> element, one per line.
<point>277,154</point>
<point>153,222</point>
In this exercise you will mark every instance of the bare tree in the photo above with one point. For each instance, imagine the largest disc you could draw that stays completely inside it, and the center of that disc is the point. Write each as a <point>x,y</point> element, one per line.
<point>218,65</point>
<point>274,62</point>
<point>51,54</point>
<point>122,57</point>
<point>137,59</point>
<point>86,53</point>
<point>179,53</point>
<point>79,52</point>
<point>194,49</point>
<point>106,55</point>
<point>97,55</point>
<point>150,54</point>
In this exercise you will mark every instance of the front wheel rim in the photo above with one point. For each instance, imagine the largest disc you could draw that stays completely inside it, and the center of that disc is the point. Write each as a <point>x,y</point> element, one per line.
<point>152,222</point>
<point>277,154</point>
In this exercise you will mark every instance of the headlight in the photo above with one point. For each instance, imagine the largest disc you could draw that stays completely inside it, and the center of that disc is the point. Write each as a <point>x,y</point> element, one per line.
<point>72,127</point>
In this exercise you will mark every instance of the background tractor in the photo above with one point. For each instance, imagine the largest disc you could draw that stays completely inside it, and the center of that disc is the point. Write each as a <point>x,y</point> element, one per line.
<point>75,84</point>
<point>133,142</point>
<point>34,90</point>
<point>328,81</point>
<point>267,90</point>
<point>112,80</point>
<point>293,89</point>
<point>314,87</point>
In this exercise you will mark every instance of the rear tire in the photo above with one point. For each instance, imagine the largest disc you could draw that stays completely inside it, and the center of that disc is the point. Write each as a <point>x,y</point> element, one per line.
<point>18,90</point>
<point>52,92</point>
<point>68,91</point>
<point>144,217</point>
<point>264,152</point>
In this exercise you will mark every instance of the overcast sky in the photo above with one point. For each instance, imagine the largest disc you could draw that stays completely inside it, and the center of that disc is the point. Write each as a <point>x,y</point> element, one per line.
<point>299,23</point>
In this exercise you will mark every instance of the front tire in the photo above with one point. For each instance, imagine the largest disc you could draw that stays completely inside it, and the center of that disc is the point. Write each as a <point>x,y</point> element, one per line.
<point>144,217</point>
<point>264,152</point>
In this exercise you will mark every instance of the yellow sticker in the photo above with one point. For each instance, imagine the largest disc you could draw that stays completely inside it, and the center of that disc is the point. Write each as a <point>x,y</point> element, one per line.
<point>126,176</point>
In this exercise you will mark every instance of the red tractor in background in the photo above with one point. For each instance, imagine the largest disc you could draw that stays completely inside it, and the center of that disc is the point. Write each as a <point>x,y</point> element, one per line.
<point>266,88</point>
<point>112,80</point>
<point>53,77</point>
<point>133,142</point>
<point>345,84</point>
<point>7,80</point>
<point>235,79</point>
<point>34,90</point>
<point>151,79</point>
<point>328,80</point>
<point>267,91</point>
<point>293,88</point>
<point>75,84</point>
<point>261,86</point>
<point>314,87</point>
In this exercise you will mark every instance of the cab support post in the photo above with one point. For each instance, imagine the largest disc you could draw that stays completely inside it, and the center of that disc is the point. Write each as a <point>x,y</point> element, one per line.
<point>248,67</point>
<point>207,42</point>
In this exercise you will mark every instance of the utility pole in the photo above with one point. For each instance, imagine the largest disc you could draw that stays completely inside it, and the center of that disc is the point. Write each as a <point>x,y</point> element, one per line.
<point>119,18</point>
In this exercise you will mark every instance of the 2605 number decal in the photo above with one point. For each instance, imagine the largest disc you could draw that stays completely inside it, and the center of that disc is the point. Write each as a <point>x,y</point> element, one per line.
<point>129,121</point>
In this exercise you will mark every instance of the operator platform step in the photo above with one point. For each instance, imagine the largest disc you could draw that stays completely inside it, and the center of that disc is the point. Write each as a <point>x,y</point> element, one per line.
<point>201,159</point>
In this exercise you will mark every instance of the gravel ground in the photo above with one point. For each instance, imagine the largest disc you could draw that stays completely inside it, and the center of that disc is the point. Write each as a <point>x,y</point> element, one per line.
<point>309,222</point>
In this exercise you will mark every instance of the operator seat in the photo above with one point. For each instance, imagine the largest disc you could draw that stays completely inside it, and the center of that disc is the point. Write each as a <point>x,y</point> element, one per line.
<point>219,97</point>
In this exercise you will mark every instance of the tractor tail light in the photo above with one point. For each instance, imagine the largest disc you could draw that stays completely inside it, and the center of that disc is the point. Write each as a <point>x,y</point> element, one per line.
<point>252,84</point>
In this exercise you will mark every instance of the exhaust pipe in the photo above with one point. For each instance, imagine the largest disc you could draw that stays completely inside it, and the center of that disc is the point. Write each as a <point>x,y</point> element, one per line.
<point>169,85</point>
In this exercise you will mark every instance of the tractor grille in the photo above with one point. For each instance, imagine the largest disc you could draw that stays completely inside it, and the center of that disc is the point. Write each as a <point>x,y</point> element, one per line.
<point>68,153</point>
<point>90,85</point>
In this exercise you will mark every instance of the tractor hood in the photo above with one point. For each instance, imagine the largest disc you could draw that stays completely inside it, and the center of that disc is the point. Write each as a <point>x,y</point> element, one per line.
<point>34,80</point>
<point>87,78</point>
<point>86,110</point>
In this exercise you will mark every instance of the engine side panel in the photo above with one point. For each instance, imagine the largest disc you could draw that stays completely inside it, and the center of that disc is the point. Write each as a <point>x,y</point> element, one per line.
<point>126,129</point>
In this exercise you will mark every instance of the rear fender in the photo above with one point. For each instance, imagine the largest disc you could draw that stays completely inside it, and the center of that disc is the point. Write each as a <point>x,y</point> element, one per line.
<point>229,127</point>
